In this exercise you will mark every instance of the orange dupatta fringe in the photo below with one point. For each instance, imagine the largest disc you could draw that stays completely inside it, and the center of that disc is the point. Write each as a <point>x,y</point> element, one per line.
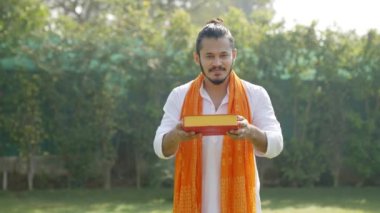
<point>238,166</point>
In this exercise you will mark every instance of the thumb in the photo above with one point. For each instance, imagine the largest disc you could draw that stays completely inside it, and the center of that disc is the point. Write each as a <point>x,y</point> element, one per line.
<point>179,126</point>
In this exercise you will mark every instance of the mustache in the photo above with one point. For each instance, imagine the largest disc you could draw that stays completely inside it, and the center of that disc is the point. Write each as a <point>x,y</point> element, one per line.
<point>217,68</point>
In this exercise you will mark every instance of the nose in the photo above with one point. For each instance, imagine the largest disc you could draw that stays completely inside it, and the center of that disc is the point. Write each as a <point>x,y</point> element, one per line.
<point>217,61</point>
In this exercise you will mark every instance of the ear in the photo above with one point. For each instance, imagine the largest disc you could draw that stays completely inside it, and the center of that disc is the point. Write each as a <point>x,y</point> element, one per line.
<point>196,58</point>
<point>234,54</point>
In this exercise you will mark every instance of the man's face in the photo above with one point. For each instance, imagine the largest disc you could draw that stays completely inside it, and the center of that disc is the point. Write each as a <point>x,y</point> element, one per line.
<point>216,58</point>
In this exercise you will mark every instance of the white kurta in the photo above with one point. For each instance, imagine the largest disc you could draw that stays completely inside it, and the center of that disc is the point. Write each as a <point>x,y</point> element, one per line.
<point>263,117</point>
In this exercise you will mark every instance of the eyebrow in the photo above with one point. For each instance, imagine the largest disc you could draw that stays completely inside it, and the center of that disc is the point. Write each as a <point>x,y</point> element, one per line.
<point>223,52</point>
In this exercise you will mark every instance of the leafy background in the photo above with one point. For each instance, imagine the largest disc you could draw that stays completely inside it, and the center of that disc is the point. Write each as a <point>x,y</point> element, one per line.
<point>82,85</point>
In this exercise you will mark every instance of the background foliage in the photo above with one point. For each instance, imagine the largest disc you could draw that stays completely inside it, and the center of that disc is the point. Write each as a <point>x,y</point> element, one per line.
<point>86,81</point>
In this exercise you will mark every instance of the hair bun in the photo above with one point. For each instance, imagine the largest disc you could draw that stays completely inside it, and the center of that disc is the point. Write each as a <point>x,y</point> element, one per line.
<point>215,21</point>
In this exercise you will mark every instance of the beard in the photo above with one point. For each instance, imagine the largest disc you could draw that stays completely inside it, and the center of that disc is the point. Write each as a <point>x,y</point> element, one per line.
<point>215,81</point>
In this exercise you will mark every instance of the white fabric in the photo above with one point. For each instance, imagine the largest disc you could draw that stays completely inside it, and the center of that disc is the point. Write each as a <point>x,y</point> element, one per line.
<point>262,116</point>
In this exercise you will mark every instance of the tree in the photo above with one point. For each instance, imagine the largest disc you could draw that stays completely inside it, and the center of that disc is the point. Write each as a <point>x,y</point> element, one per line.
<point>24,122</point>
<point>363,114</point>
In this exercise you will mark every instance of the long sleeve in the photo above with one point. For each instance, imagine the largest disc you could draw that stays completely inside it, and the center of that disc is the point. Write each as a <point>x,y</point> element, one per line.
<point>171,117</point>
<point>264,118</point>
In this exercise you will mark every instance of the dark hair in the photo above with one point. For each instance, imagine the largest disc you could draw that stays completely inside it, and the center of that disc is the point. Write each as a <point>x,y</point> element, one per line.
<point>214,29</point>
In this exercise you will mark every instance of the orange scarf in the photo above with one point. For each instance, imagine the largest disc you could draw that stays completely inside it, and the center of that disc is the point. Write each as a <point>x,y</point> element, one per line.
<point>238,167</point>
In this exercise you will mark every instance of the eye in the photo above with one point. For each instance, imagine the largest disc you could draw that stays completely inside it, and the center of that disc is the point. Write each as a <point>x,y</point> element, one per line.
<point>224,56</point>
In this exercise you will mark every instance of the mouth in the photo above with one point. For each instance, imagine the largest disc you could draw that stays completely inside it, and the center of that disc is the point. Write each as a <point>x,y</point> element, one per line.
<point>217,69</point>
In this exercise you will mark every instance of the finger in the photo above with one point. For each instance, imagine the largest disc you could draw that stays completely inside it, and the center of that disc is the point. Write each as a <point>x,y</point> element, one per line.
<point>179,126</point>
<point>240,118</point>
<point>233,136</point>
<point>190,136</point>
<point>239,133</point>
<point>187,134</point>
<point>243,124</point>
<point>233,132</point>
<point>196,135</point>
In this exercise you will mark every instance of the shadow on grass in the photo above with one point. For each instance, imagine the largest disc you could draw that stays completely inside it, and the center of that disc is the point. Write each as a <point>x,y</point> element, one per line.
<point>354,199</point>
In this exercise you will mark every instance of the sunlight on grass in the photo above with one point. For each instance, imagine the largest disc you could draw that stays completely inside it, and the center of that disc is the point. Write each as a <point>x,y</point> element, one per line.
<point>100,208</point>
<point>312,209</point>
<point>157,201</point>
<point>361,201</point>
<point>129,200</point>
<point>326,200</point>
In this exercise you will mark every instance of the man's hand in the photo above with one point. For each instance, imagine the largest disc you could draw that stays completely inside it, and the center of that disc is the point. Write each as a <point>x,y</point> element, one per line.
<point>171,140</point>
<point>252,133</point>
<point>243,130</point>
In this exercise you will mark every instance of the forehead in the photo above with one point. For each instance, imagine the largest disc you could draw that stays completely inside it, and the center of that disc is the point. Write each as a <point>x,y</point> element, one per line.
<point>215,45</point>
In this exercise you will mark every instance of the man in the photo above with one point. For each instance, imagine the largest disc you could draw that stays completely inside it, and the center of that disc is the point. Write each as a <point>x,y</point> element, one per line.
<point>218,173</point>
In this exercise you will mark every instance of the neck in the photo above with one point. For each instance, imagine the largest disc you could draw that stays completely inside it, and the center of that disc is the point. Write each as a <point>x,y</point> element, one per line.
<point>214,90</point>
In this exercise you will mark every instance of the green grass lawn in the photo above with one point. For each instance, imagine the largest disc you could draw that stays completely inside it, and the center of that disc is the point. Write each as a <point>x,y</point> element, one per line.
<point>325,200</point>
<point>274,200</point>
